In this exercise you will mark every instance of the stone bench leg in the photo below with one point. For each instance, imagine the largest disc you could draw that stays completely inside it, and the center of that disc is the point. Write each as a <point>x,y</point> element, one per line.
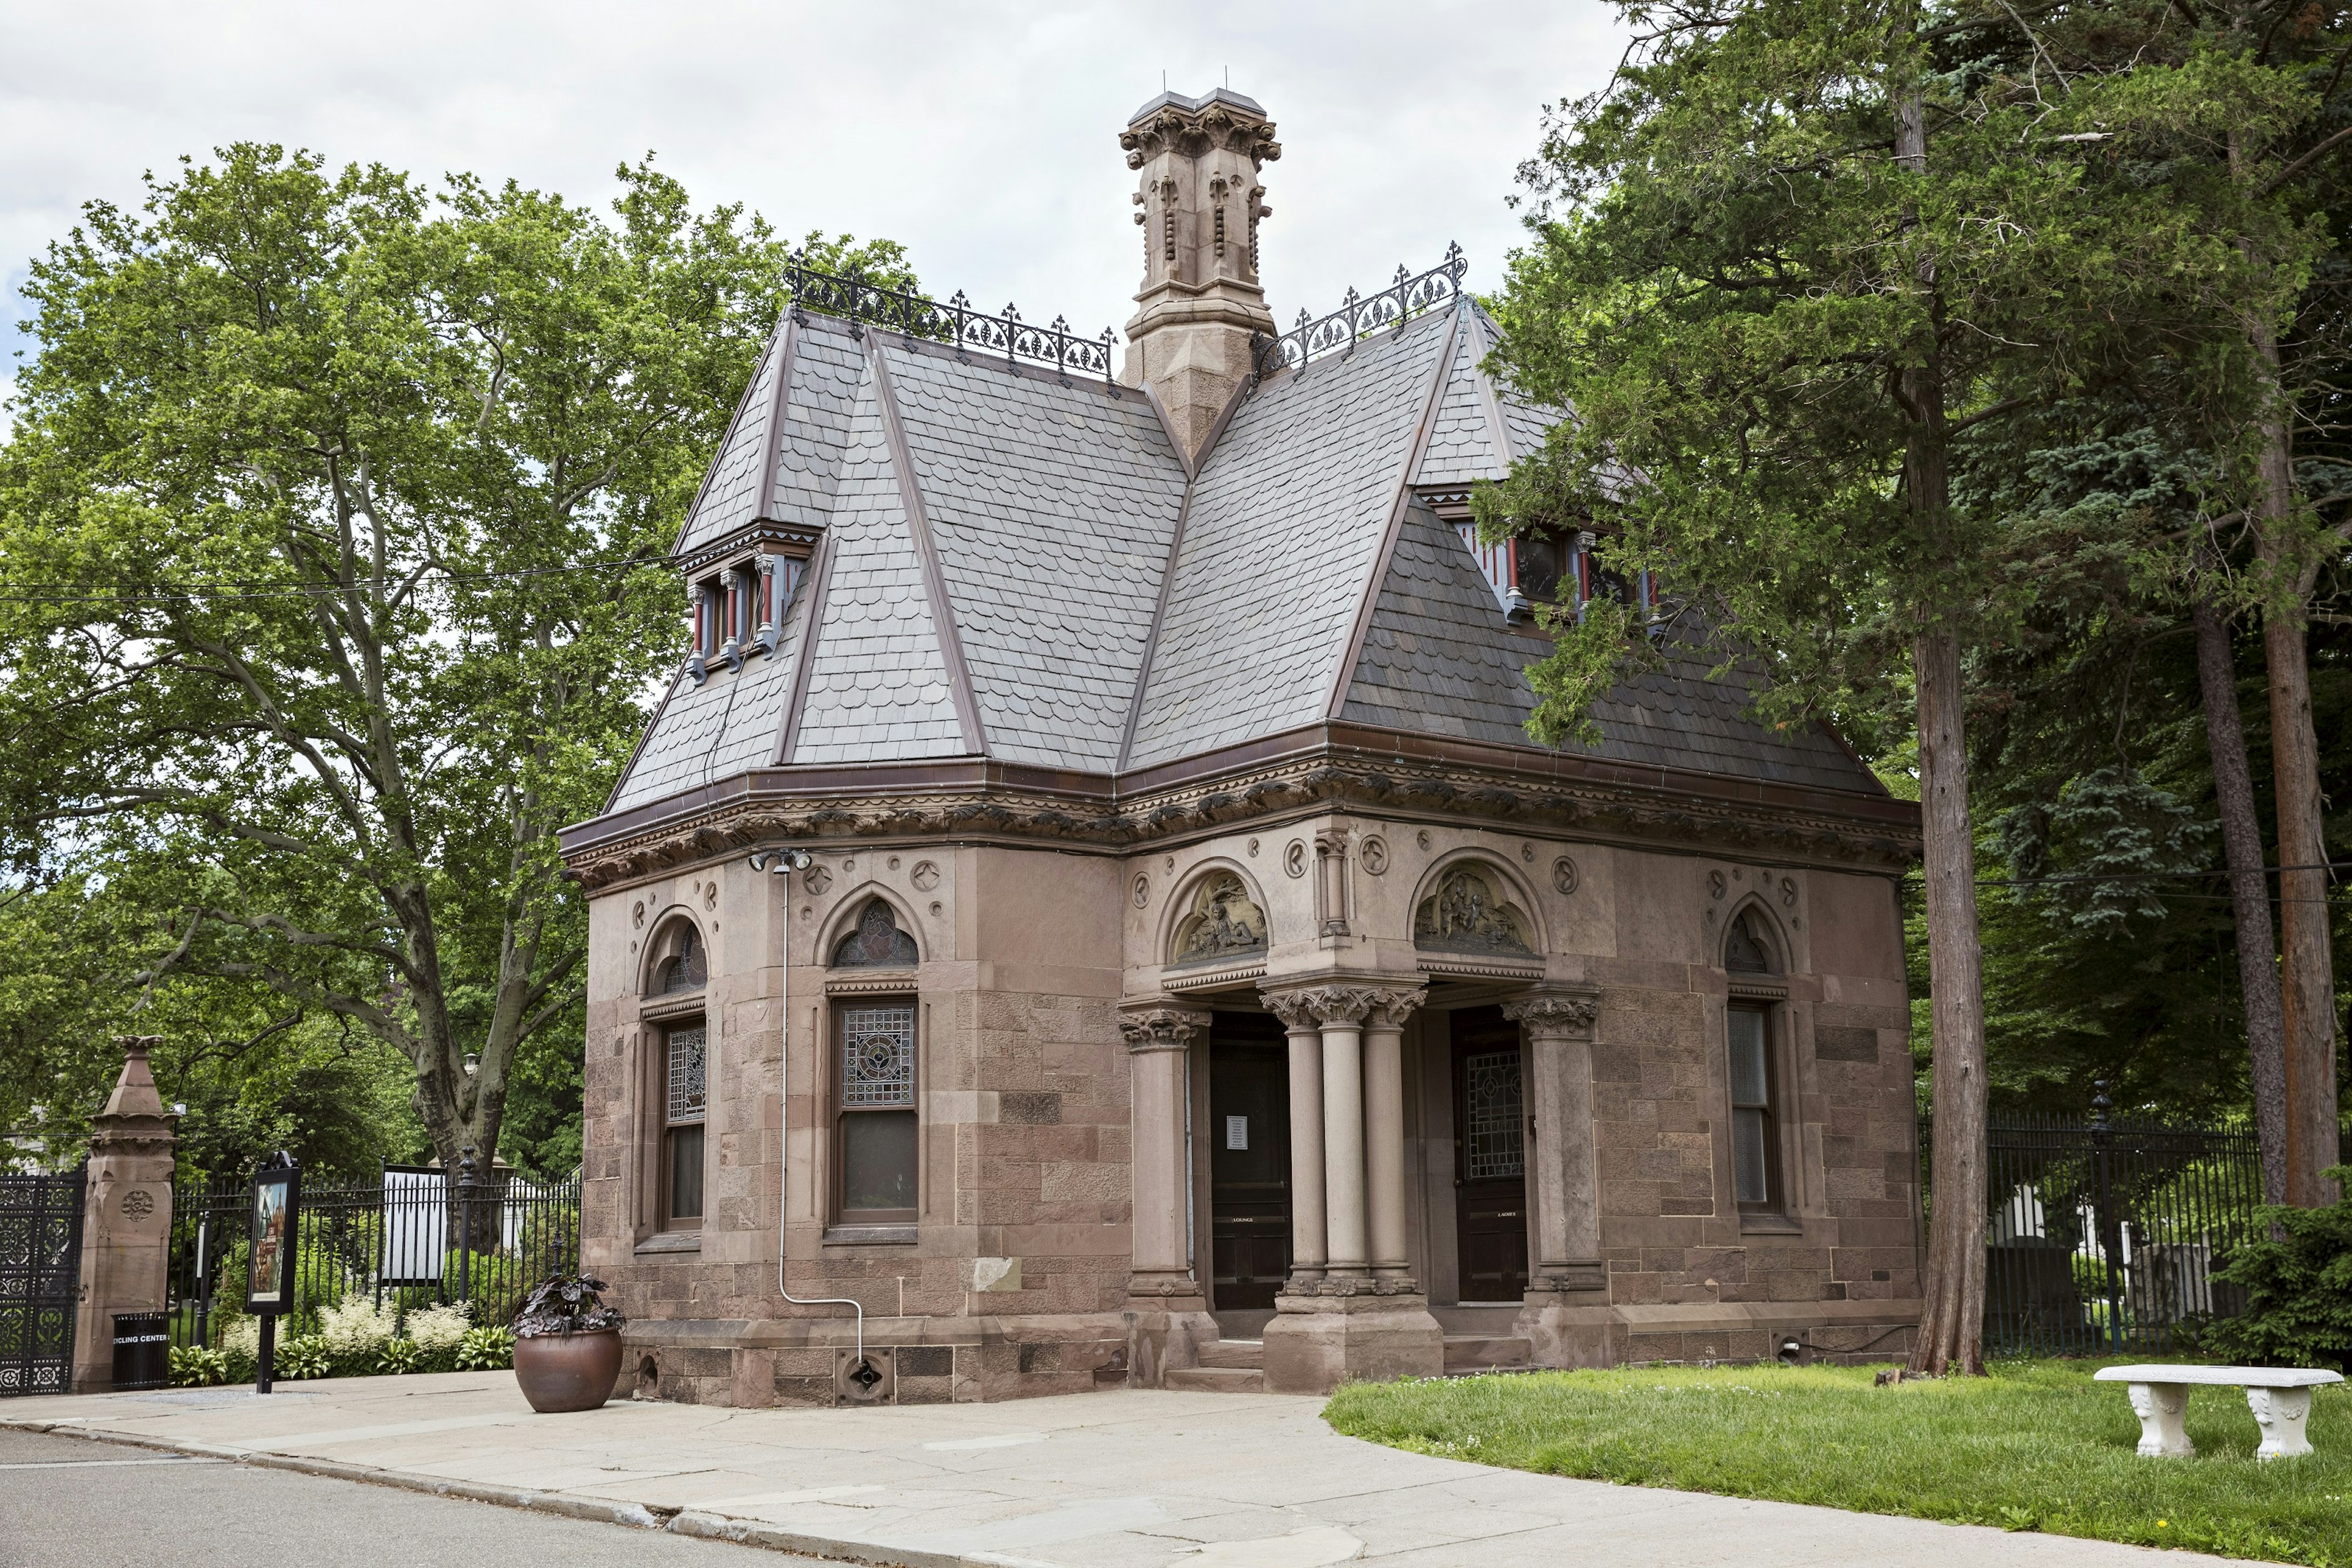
<point>2160,1407</point>
<point>2284,1415</point>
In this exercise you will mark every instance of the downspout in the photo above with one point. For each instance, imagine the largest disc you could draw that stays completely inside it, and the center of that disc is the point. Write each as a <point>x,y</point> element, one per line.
<point>782,862</point>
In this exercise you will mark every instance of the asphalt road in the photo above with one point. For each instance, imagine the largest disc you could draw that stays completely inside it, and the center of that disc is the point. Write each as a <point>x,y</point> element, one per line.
<point>69,1502</point>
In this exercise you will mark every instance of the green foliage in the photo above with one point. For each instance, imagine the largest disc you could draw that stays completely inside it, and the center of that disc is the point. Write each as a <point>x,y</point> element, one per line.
<point>486,1349</point>
<point>302,1356</point>
<point>2297,1277</point>
<point>2036,1445</point>
<point>399,1356</point>
<point>334,517</point>
<point>193,1366</point>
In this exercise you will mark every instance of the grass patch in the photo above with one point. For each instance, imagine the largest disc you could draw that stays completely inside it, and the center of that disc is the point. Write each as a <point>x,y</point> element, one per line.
<point>2037,1445</point>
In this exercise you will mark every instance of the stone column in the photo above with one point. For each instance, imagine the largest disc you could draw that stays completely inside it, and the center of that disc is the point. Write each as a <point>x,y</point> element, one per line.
<point>126,1229</point>
<point>1349,1325</point>
<point>1158,1038</point>
<point>1305,1032</point>
<point>1565,1316</point>
<point>1384,1134</point>
<point>1342,1008</point>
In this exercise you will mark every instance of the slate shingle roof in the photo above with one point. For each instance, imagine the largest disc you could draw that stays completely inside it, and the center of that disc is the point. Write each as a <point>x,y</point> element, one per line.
<point>1054,512</point>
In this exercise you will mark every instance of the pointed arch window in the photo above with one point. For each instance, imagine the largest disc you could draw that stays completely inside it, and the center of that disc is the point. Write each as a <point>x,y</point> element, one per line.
<point>680,965</point>
<point>876,941</point>
<point>1745,949</point>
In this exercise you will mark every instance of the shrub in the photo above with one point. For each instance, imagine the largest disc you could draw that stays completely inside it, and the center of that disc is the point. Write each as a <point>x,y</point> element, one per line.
<point>436,1332</point>
<point>400,1355</point>
<point>356,1332</point>
<point>486,1348</point>
<point>193,1366</point>
<point>303,1355</point>
<point>240,1348</point>
<point>2298,1275</point>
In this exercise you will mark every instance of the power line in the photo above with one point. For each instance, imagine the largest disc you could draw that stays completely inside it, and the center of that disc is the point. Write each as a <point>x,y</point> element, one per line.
<point>232,592</point>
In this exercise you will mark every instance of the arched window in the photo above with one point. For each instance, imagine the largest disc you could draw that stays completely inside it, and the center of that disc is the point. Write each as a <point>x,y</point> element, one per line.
<point>1746,950</point>
<point>1467,912</point>
<point>679,964</point>
<point>1223,921</point>
<point>876,941</point>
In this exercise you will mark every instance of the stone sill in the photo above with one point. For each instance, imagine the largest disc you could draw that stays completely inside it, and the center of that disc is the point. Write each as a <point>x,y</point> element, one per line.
<point>1769,1225</point>
<point>870,1235</point>
<point>670,1241</point>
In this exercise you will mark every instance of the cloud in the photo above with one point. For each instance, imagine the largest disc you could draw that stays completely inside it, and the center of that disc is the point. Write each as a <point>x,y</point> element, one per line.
<point>983,134</point>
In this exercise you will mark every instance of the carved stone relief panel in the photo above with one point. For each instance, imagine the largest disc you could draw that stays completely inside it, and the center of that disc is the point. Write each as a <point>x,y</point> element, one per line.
<point>1466,912</point>
<point>1221,922</point>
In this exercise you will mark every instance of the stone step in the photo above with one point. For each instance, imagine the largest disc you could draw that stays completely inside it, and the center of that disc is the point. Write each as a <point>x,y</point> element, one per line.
<point>1249,1354</point>
<point>1218,1379</point>
<point>1475,1353</point>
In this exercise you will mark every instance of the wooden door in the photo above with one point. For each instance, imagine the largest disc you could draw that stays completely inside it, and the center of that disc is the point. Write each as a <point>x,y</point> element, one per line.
<point>1490,1156</point>
<point>1249,1160</point>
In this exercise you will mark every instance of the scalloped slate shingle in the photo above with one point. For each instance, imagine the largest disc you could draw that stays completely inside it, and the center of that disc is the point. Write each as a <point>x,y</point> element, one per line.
<point>1287,516</point>
<point>1052,509</point>
<point>878,689</point>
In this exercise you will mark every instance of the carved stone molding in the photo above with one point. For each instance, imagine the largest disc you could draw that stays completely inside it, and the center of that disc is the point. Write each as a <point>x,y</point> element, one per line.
<point>1291,1007</point>
<point>964,810</point>
<point>1392,1007</point>
<point>1555,1013</point>
<point>1340,1003</point>
<point>1162,1028</point>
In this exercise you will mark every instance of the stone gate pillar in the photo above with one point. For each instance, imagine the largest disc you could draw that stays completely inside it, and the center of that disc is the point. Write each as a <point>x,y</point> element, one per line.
<point>1565,1316</point>
<point>126,1227</point>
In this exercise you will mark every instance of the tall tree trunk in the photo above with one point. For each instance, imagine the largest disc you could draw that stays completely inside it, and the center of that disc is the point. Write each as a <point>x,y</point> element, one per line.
<point>1951,1325</point>
<point>2249,893</point>
<point>1951,1329</point>
<point>2307,981</point>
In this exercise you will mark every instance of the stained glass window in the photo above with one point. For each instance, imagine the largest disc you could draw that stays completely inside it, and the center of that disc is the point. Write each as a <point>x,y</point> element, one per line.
<point>685,1075</point>
<point>878,1055</point>
<point>1494,1118</point>
<point>875,943</point>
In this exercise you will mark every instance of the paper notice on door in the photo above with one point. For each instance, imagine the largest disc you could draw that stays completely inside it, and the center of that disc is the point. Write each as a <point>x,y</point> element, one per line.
<point>1236,1132</point>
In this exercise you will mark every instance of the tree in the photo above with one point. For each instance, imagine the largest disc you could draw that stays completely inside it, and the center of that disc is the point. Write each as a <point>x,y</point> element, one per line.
<point>326,528</point>
<point>1786,269</point>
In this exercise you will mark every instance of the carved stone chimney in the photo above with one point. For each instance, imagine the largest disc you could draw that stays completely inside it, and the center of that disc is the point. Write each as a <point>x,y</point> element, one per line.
<point>1198,201</point>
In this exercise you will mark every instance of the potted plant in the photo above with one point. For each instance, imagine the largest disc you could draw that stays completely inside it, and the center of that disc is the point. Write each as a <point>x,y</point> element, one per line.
<point>567,1353</point>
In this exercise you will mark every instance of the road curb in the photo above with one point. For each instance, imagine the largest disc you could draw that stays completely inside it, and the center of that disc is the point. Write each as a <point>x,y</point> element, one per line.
<point>696,1523</point>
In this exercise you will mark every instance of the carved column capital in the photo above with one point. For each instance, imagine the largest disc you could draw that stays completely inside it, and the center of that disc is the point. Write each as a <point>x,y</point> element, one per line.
<point>1391,1005</point>
<point>1345,1005</point>
<point>1555,1014</point>
<point>1162,1028</point>
<point>1291,1007</point>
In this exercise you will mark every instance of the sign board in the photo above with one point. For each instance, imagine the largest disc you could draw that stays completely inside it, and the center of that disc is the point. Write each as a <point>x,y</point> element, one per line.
<point>270,1237</point>
<point>416,1223</point>
<point>1236,1132</point>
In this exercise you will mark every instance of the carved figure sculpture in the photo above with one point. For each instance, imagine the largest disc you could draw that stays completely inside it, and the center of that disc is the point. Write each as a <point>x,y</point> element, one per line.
<point>1468,914</point>
<point>1223,921</point>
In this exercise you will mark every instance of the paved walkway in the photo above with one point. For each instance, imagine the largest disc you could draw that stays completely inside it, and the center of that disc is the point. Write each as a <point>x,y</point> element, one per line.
<point>1126,1479</point>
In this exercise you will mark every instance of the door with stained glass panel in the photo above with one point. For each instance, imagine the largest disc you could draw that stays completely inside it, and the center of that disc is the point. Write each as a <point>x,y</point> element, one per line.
<point>1490,1156</point>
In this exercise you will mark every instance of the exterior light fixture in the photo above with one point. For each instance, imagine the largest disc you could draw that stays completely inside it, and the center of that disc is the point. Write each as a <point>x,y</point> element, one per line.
<point>473,1062</point>
<point>779,861</point>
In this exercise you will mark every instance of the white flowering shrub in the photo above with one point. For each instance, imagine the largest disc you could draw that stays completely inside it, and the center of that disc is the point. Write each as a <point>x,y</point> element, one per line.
<point>355,1330</point>
<point>437,1331</point>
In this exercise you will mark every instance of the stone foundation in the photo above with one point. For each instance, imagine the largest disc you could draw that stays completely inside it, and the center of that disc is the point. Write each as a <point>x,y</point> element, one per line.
<point>919,1360</point>
<point>1314,1344</point>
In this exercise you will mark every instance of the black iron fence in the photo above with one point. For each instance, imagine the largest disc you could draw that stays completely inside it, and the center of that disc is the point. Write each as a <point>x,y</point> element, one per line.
<point>2105,1236</point>
<point>414,1238</point>
<point>40,1280</point>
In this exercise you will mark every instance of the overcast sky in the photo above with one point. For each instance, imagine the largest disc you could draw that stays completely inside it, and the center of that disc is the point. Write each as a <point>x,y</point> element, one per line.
<point>982,135</point>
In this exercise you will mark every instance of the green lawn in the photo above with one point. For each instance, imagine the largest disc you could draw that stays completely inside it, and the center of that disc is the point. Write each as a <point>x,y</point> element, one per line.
<point>2037,1445</point>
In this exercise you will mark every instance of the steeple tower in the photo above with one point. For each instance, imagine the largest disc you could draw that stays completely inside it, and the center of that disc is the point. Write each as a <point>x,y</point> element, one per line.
<point>1198,201</point>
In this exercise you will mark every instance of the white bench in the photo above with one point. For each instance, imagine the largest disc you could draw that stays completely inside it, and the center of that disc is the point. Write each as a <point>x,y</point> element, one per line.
<point>2280,1397</point>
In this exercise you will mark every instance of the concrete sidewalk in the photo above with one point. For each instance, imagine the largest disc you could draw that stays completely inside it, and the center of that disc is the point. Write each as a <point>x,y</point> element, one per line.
<point>1123,1479</point>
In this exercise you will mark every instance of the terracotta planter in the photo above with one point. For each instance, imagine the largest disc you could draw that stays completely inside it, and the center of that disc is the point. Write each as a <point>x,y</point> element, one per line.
<point>568,1371</point>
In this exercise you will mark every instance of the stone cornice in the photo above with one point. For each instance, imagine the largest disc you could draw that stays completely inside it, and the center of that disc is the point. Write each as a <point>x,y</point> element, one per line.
<point>1393,774</point>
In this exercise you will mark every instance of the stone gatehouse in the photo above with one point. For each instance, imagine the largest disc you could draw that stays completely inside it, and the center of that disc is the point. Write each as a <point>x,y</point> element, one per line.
<point>1087,913</point>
